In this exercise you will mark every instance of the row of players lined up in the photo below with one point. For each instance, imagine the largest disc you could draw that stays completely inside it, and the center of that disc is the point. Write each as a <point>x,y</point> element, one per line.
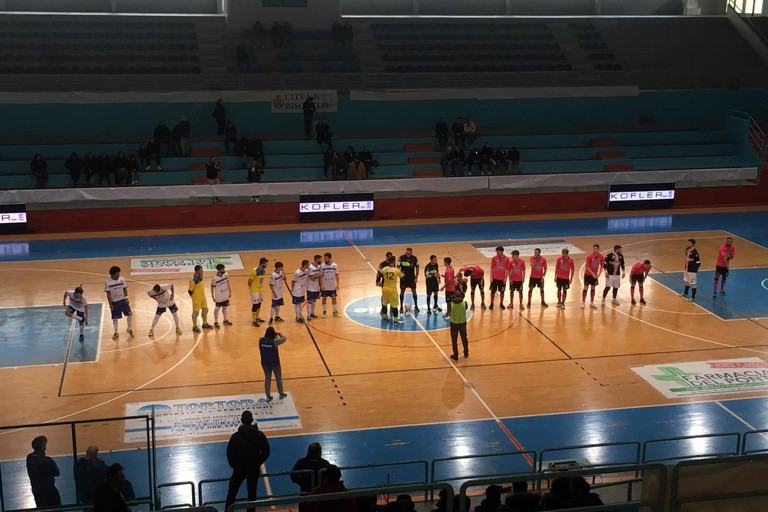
<point>320,280</point>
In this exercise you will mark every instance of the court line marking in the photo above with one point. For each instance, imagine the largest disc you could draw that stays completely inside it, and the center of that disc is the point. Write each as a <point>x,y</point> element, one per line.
<point>461,376</point>
<point>733,235</point>
<point>742,420</point>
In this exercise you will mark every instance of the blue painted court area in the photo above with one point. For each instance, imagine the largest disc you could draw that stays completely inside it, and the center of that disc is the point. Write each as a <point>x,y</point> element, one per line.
<point>39,335</point>
<point>746,292</point>
<point>366,311</point>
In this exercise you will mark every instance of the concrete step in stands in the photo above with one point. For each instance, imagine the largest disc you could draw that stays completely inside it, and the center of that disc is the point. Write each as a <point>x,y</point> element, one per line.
<point>418,148</point>
<point>206,152</point>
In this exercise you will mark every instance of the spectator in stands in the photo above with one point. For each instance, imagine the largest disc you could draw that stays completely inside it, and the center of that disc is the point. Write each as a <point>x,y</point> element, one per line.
<point>287,34</point>
<point>133,168</point>
<point>153,153</point>
<point>470,132</point>
<point>349,155</point>
<point>522,500</point>
<point>259,33</point>
<point>74,164</point>
<point>241,150</point>
<point>230,136</point>
<point>559,493</point>
<point>42,471</point>
<point>581,495</point>
<point>328,162</point>
<point>305,472</point>
<point>256,150</point>
<point>277,35</point>
<point>502,163</point>
<point>90,471</point>
<point>324,133</point>
<point>247,450</point>
<point>442,501</point>
<point>406,503</point>
<point>331,482</point>
<point>486,159</point>
<point>89,167</point>
<point>162,134</point>
<point>491,501</point>
<point>243,60</point>
<point>448,162</point>
<point>39,168</point>
<point>212,170</point>
<point>474,159</point>
<point>110,495</point>
<point>513,157</point>
<point>255,172</point>
<point>357,170</point>
<point>308,108</point>
<point>457,501</point>
<point>120,166</point>
<point>460,159</point>
<point>181,134</point>
<point>142,152</point>
<point>220,115</point>
<point>367,158</point>
<point>457,130</point>
<point>441,131</point>
<point>348,34</point>
<point>338,168</point>
<point>104,169</point>
<point>337,32</point>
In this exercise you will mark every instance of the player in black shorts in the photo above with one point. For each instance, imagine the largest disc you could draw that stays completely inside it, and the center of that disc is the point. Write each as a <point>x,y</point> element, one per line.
<point>432,278</point>
<point>409,266</point>
<point>380,278</point>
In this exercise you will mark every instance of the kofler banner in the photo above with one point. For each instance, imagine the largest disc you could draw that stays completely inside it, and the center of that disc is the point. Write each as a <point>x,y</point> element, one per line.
<point>290,102</point>
<point>706,377</point>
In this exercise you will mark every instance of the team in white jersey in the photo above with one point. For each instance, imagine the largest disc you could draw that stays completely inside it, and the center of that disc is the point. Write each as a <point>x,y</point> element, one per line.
<point>164,294</point>
<point>221,294</point>
<point>117,297</point>
<point>329,283</point>
<point>277,285</point>
<point>77,308</point>
<point>313,286</point>
<point>299,288</point>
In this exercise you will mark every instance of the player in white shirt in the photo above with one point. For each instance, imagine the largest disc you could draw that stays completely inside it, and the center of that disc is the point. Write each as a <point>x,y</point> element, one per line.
<point>164,295</point>
<point>276,285</point>
<point>299,288</point>
<point>329,283</point>
<point>117,297</point>
<point>313,286</point>
<point>221,295</point>
<point>77,308</point>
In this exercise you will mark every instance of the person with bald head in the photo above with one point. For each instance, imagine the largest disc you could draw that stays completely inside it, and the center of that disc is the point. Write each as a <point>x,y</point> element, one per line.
<point>90,471</point>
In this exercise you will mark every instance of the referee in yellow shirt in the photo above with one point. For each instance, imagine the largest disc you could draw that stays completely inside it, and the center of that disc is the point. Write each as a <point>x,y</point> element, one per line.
<point>199,302</point>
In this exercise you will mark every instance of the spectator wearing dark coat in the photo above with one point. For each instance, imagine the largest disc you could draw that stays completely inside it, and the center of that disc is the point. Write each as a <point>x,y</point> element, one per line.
<point>441,132</point>
<point>331,483</point>
<point>486,159</point>
<point>278,36</point>
<point>90,471</point>
<point>120,166</point>
<point>42,471</point>
<point>104,169</point>
<point>220,115</point>
<point>255,172</point>
<point>110,495</point>
<point>367,158</point>
<point>337,32</point>
<point>308,108</point>
<point>247,450</point>
<point>522,500</point>
<point>243,60</point>
<point>133,168</point>
<point>338,168</point>
<point>39,168</point>
<point>323,133</point>
<point>349,154</point>
<point>255,150</point>
<point>89,167</point>
<point>514,160</point>
<point>162,134</point>
<point>491,501</point>
<point>241,150</point>
<point>181,134</point>
<point>230,136</point>
<point>502,163</point>
<point>305,472</point>
<point>153,153</point>
<point>74,164</point>
<point>457,130</point>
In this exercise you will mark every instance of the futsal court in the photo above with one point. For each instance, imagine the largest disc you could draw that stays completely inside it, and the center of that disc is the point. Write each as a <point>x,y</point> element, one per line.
<point>371,391</point>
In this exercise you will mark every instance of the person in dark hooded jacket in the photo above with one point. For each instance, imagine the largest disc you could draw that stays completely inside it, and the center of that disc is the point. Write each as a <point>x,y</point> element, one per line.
<point>247,450</point>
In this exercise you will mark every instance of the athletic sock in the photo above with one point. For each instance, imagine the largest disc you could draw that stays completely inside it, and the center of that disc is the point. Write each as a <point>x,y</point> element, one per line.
<point>685,292</point>
<point>714,285</point>
<point>297,309</point>
<point>154,322</point>
<point>592,295</point>
<point>605,291</point>
<point>693,293</point>
<point>114,323</point>
<point>641,293</point>
<point>584,295</point>
<point>615,292</point>
<point>632,293</point>
<point>176,319</point>
<point>216,314</point>
<point>224,313</point>
<point>130,322</point>
<point>722,284</point>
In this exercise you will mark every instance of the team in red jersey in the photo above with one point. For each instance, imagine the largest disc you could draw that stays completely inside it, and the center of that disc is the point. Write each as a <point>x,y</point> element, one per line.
<point>564,269</point>
<point>476,276</point>
<point>724,256</point>
<point>516,270</point>
<point>538,271</point>
<point>499,269</point>
<point>637,276</point>
<point>592,269</point>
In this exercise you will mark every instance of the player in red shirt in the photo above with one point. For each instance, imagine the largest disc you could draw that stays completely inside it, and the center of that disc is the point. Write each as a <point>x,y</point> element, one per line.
<point>538,271</point>
<point>449,278</point>
<point>564,270</point>
<point>476,276</point>
<point>637,275</point>
<point>499,266</point>
<point>724,256</point>
<point>516,269</point>
<point>592,269</point>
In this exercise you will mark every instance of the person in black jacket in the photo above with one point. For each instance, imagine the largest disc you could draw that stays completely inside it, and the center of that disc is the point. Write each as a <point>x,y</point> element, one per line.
<point>486,159</point>
<point>110,495</point>
<point>220,115</point>
<point>162,134</point>
<point>247,450</point>
<point>133,169</point>
<point>89,167</point>
<point>42,471</point>
<point>323,133</point>
<point>457,130</point>
<point>39,168</point>
<point>441,131</point>
<point>309,108</point>
<point>230,135</point>
<point>691,269</point>
<point>120,166</point>
<point>367,158</point>
<point>305,472</point>
<point>491,501</point>
<point>181,134</point>
<point>74,164</point>
<point>241,150</point>
<point>153,153</point>
<point>104,168</point>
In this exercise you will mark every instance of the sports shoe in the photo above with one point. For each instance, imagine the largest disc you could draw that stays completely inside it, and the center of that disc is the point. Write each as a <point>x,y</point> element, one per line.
<point>82,338</point>
<point>615,302</point>
<point>483,307</point>
<point>472,307</point>
<point>561,305</point>
<point>255,323</point>
<point>455,357</point>
<point>115,336</point>
<point>385,318</point>
<point>466,354</point>
<point>402,310</point>
<point>271,321</point>
<point>582,305</point>
<point>684,295</point>
<point>633,302</point>
<point>529,305</point>
<point>503,307</point>
<point>338,315</point>
<point>543,304</point>
<point>300,319</point>
<point>159,168</point>
<point>642,301</point>
<point>602,302</point>
<point>269,398</point>
<point>279,319</point>
<point>313,315</point>
<point>178,331</point>
<point>215,325</point>
<point>722,292</point>
<point>397,320</point>
<point>491,306</point>
<point>437,308</point>
<point>130,333</point>
<point>714,294</point>
<point>429,311</point>
<point>147,168</point>
<point>415,309</point>
<point>207,326</point>
<point>227,322</point>
<point>522,308</point>
<point>325,315</point>
<point>151,333</point>
<point>282,395</point>
<point>691,300</point>
<point>195,329</point>
<point>593,305</point>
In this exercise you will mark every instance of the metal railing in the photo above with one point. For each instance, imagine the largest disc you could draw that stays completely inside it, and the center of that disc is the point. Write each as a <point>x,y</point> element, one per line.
<point>736,437</point>
<point>620,444</point>
<point>168,485</point>
<point>530,457</point>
